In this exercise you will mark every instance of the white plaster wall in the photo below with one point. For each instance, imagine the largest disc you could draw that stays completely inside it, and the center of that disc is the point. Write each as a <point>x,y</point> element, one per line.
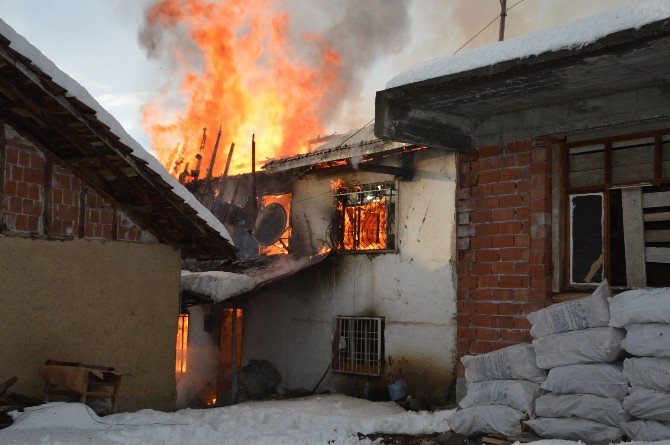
<point>414,289</point>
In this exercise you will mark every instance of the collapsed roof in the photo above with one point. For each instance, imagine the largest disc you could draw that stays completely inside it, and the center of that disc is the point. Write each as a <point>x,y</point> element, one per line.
<point>608,69</point>
<point>56,111</point>
<point>358,143</point>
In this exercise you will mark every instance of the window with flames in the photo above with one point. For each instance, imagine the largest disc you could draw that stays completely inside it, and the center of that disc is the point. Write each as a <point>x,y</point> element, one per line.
<point>358,345</point>
<point>182,344</point>
<point>365,217</point>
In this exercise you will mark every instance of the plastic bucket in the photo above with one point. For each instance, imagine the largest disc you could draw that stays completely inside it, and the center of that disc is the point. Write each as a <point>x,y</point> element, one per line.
<point>398,390</point>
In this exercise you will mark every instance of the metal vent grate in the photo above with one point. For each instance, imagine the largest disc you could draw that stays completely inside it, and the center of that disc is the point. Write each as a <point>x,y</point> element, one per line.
<point>358,345</point>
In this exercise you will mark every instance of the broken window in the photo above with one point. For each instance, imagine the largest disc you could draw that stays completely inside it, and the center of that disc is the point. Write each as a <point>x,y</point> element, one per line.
<point>358,345</point>
<point>617,210</point>
<point>365,217</point>
<point>182,343</point>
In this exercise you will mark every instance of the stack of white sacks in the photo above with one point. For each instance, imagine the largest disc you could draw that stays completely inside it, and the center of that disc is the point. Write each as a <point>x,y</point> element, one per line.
<point>574,341</point>
<point>645,314</point>
<point>501,390</point>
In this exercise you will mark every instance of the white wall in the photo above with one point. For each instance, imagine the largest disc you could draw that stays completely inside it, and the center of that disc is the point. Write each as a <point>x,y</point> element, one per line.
<point>291,325</point>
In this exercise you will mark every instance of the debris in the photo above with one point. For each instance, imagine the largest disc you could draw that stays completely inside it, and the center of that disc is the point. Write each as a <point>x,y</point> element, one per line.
<point>258,380</point>
<point>10,401</point>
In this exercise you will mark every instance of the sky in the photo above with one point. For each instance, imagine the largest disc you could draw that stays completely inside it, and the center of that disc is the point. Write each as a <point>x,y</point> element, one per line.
<point>96,42</point>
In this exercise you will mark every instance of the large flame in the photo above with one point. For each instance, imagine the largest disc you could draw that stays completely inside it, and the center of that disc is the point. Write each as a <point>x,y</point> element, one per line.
<point>252,81</point>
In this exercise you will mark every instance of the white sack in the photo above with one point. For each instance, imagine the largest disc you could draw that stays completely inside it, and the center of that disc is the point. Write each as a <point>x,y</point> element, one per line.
<point>648,404</point>
<point>585,406</point>
<point>588,312</point>
<point>647,340</point>
<point>517,394</point>
<point>647,430</point>
<point>640,306</point>
<point>511,363</point>
<point>487,419</point>
<point>574,428</point>
<point>648,372</point>
<point>593,345</point>
<point>601,379</point>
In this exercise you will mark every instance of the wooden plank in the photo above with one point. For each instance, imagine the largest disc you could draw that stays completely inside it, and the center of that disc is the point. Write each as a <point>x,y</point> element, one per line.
<point>657,236</point>
<point>658,199</point>
<point>570,296</point>
<point>662,216</point>
<point>633,235</point>
<point>658,255</point>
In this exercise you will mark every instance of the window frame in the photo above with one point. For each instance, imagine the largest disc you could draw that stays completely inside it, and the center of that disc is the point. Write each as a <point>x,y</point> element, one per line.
<point>564,278</point>
<point>368,368</point>
<point>337,233</point>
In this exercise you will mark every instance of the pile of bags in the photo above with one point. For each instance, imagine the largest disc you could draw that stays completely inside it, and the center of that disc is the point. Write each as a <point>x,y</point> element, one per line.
<point>645,313</point>
<point>575,342</point>
<point>501,390</point>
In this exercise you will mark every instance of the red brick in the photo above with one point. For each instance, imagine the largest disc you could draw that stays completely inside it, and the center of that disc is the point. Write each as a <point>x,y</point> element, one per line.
<point>481,268</point>
<point>511,174</point>
<point>481,242</point>
<point>500,215</point>
<point>510,254</point>
<point>509,309</point>
<point>466,307</point>
<point>522,241</point>
<point>502,322</point>
<point>505,188</point>
<point>518,147</point>
<point>488,281</point>
<point>521,323</point>
<point>488,152</point>
<point>502,241</point>
<point>487,334</point>
<point>488,229</point>
<point>489,177</point>
<point>481,294</point>
<point>502,294</point>
<point>488,255</point>
<point>502,268</point>
<point>511,281</point>
<point>511,201</point>
<point>481,320</point>
<point>481,346</point>
<point>510,228</point>
<point>487,308</point>
<point>488,203</point>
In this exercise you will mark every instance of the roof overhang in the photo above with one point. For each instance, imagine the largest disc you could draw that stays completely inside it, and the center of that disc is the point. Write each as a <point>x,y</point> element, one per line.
<point>618,79</point>
<point>75,138</point>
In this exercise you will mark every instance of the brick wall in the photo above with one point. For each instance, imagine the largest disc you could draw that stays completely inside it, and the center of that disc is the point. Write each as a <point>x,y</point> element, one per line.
<point>31,204</point>
<point>504,243</point>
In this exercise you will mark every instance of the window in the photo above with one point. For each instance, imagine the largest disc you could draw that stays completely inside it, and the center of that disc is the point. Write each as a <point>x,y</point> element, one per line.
<point>616,210</point>
<point>182,343</point>
<point>358,345</point>
<point>365,217</point>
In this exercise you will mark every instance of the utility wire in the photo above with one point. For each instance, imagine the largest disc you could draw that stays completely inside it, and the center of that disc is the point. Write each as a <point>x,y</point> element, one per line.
<point>487,25</point>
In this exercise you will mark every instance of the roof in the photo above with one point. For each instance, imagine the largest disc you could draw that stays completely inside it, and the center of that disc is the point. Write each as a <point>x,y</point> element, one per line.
<point>221,286</point>
<point>605,70</point>
<point>57,111</point>
<point>360,142</point>
<point>573,35</point>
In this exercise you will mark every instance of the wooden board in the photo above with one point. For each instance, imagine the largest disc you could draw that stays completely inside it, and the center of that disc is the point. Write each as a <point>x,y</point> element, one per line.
<point>658,255</point>
<point>657,236</point>
<point>633,234</point>
<point>662,216</point>
<point>658,199</point>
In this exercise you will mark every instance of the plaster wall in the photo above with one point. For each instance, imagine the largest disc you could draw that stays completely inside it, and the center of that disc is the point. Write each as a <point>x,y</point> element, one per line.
<point>100,302</point>
<point>291,325</point>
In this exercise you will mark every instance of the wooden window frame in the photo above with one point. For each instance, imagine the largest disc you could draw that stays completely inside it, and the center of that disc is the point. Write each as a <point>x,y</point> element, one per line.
<point>562,281</point>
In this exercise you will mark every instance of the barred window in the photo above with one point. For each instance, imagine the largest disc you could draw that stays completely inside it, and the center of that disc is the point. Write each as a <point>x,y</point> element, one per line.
<point>365,218</point>
<point>358,345</point>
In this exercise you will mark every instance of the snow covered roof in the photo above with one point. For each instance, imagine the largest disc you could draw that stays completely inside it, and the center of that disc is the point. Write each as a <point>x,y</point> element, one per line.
<point>70,95</point>
<point>573,35</point>
<point>604,71</point>
<point>354,143</point>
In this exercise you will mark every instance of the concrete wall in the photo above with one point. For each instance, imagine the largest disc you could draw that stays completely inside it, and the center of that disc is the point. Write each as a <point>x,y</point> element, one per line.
<point>102,302</point>
<point>292,325</point>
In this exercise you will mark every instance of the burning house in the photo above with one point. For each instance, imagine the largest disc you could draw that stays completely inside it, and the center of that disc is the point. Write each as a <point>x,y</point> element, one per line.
<point>563,163</point>
<point>92,232</point>
<point>352,252</point>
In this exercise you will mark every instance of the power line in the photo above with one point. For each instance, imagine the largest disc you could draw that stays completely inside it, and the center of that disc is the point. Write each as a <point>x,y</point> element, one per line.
<point>487,25</point>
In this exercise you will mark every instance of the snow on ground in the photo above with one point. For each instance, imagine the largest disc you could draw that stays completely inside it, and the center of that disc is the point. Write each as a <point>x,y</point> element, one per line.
<point>332,419</point>
<point>74,89</point>
<point>632,15</point>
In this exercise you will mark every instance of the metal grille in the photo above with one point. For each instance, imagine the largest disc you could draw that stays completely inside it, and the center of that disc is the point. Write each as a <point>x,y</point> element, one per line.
<point>358,345</point>
<point>365,217</point>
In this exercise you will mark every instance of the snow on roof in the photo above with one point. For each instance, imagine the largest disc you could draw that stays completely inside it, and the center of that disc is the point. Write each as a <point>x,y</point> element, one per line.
<point>217,285</point>
<point>570,36</point>
<point>74,89</point>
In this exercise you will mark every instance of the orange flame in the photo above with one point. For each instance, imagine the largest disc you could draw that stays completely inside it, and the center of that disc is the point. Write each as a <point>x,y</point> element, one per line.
<point>252,81</point>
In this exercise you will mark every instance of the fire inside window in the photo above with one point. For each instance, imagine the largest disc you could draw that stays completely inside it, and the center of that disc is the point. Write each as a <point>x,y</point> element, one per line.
<point>182,344</point>
<point>365,217</point>
<point>281,244</point>
<point>358,346</point>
